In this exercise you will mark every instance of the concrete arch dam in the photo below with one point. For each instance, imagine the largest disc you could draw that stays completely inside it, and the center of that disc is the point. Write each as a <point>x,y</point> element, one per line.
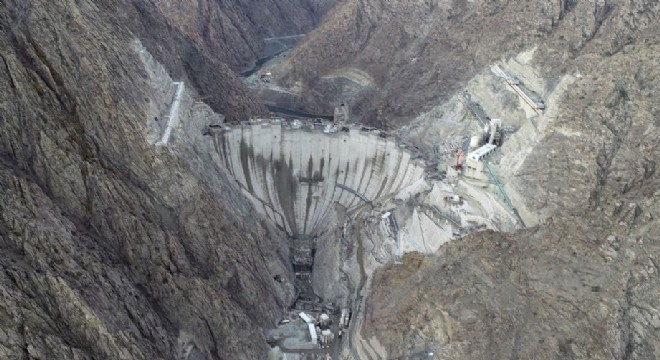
<point>297,175</point>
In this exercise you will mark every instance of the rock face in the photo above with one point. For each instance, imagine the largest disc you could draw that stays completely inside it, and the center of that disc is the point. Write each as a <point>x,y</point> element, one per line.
<point>548,293</point>
<point>110,247</point>
<point>582,283</point>
<point>233,31</point>
<point>203,40</point>
<point>418,53</point>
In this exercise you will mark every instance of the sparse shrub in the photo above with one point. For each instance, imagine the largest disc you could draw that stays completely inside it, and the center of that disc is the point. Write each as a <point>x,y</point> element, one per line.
<point>39,88</point>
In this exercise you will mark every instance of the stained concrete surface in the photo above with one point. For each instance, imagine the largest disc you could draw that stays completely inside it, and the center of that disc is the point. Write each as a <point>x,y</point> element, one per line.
<point>294,174</point>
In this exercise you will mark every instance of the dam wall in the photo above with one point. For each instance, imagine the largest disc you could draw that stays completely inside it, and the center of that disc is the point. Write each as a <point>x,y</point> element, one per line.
<point>296,173</point>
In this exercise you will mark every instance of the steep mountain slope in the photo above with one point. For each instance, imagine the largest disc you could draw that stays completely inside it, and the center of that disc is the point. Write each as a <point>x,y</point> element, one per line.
<point>203,40</point>
<point>582,283</point>
<point>113,248</point>
<point>232,31</point>
<point>417,53</point>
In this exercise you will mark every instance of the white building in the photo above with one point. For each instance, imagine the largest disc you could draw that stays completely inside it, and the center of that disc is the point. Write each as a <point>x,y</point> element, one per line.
<point>308,319</point>
<point>312,333</point>
<point>474,162</point>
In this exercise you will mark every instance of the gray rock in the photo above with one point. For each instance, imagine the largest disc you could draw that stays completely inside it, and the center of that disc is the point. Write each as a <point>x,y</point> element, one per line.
<point>111,248</point>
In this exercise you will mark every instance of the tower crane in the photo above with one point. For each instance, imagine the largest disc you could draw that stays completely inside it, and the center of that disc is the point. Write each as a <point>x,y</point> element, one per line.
<point>459,154</point>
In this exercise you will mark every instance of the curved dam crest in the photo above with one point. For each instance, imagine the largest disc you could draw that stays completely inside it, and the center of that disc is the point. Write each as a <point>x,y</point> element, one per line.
<point>296,174</point>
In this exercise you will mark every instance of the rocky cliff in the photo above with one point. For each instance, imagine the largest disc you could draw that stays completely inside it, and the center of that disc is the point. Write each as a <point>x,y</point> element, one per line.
<point>114,247</point>
<point>203,40</point>
<point>233,31</point>
<point>393,60</point>
<point>582,282</point>
<point>111,247</point>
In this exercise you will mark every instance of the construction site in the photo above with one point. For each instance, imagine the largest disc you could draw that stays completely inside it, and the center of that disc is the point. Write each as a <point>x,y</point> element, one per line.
<point>330,180</point>
<point>352,198</point>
